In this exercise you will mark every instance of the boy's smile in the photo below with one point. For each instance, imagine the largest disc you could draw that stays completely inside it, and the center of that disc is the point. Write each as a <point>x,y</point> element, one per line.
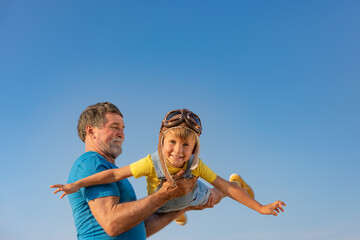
<point>177,151</point>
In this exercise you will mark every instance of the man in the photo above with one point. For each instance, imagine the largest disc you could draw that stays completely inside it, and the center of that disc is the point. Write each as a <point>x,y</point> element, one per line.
<point>111,211</point>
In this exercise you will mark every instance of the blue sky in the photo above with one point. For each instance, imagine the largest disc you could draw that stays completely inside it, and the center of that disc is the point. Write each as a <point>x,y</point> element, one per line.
<point>276,84</point>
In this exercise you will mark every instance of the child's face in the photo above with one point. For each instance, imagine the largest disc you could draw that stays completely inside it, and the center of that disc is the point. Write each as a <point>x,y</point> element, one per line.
<point>177,151</point>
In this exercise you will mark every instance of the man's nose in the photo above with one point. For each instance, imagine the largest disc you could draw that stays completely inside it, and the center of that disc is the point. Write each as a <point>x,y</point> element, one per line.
<point>121,134</point>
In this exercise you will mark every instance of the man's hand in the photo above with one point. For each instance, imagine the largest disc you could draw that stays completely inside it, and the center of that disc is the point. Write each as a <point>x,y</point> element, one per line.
<point>212,201</point>
<point>182,186</point>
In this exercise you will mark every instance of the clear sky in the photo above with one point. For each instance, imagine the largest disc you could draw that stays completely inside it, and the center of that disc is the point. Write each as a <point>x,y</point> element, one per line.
<point>276,84</point>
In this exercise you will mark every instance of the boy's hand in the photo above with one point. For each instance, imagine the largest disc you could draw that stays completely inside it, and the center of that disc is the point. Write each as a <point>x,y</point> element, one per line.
<point>273,208</point>
<point>67,189</point>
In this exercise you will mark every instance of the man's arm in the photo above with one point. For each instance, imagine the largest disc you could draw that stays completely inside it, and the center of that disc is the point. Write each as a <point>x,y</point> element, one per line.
<point>158,221</point>
<point>116,218</point>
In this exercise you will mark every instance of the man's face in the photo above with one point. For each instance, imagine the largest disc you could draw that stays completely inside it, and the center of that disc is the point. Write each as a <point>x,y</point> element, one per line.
<point>110,137</point>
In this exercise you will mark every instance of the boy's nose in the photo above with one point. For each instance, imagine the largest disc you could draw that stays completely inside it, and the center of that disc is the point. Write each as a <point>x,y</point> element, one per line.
<point>178,148</point>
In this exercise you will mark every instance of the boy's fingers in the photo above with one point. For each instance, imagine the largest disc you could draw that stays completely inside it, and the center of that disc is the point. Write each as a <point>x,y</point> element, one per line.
<point>281,205</point>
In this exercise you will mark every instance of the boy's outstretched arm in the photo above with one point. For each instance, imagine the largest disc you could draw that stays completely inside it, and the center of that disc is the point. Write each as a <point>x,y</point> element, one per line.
<point>107,176</point>
<point>232,190</point>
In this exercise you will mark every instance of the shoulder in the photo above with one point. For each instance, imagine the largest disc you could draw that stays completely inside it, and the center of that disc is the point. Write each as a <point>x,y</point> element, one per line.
<point>146,160</point>
<point>200,165</point>
<point>142,167</point>
<point>93,159</point>
<point>203,171</point>
<point>87,164</point>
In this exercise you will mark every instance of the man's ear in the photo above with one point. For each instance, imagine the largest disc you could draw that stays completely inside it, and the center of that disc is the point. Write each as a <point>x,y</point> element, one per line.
<point>89,131</point>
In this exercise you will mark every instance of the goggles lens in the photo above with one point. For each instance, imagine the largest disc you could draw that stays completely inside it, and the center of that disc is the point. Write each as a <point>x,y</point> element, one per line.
<point>195,118</point>
<point>172,115</point>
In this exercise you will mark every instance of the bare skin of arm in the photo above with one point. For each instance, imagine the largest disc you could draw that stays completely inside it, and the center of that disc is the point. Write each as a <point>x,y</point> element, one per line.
<point>232,190</point>
<point>107,176</point>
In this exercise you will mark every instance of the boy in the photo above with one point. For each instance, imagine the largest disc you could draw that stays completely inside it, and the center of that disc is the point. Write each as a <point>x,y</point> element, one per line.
<point>178,150</point>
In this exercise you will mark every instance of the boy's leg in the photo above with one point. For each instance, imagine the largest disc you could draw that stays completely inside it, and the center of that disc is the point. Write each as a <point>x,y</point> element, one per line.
<point>241,183</point>
<point>215,195</point>
<point>199,196</point>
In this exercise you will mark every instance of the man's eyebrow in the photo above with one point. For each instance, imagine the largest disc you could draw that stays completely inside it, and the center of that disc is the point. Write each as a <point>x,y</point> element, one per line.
<point>117,124</point>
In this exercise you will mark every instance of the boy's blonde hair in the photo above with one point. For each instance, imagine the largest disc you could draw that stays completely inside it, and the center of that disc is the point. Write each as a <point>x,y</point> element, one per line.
<point>182,133</point>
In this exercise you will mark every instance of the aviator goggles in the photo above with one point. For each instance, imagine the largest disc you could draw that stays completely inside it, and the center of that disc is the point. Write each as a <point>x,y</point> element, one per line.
<point>175,117</point>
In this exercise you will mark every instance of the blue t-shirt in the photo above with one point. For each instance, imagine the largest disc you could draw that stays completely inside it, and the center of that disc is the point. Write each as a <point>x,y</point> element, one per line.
<point>86,225</point>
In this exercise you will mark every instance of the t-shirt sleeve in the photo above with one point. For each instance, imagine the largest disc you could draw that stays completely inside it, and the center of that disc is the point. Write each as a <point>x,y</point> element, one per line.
<point>204,172</point>
<point>88,168</point>
<point>142,167</point>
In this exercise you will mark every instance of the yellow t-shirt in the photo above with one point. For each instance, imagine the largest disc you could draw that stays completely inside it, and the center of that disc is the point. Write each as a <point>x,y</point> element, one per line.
<point>145,167</point>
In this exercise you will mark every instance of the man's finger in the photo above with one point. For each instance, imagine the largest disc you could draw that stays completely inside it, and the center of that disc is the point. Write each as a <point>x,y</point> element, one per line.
<point>178,175</point>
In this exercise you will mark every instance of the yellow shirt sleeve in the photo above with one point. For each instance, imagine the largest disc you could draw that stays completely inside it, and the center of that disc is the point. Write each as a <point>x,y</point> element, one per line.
<point>145,167</point>
<point>204,172</point>
<point>141,167</point>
